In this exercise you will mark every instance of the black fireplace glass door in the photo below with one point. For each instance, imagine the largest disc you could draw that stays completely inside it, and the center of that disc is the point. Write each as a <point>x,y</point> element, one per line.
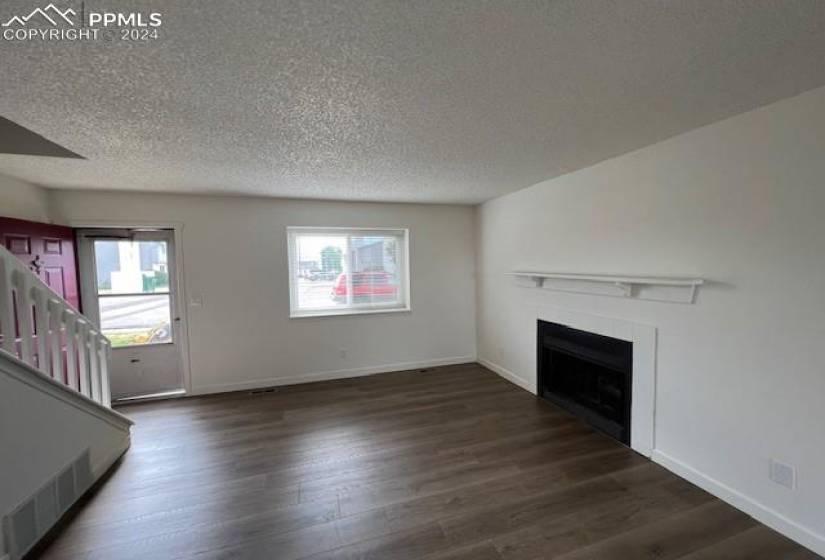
<point>589,375</point>
<point>592,385</point>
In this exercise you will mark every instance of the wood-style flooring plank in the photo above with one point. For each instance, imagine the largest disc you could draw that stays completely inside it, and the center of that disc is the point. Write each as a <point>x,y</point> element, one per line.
<point>448,463</point>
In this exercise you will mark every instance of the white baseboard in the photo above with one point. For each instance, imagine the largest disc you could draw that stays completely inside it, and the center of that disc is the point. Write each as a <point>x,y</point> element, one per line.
<point>508,375</point>
<point>758,511</point>
<point>328,375</point>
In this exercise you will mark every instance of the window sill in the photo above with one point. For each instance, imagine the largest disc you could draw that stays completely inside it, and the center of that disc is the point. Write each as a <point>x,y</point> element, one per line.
<point>346,312</point>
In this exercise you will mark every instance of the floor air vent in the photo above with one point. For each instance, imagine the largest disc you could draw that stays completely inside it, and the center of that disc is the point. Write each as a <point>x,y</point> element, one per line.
<point>27,523</point>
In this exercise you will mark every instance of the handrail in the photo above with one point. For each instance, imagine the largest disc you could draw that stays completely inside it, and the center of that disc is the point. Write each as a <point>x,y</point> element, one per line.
<point>40,328</point>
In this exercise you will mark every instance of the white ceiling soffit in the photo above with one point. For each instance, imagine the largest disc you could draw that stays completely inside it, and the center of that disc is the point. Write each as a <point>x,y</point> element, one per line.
<point>452,101</point>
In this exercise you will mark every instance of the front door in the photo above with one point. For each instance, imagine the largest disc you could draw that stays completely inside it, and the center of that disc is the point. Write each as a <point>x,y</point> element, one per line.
<point>128,283</point>
<point>48,251</point>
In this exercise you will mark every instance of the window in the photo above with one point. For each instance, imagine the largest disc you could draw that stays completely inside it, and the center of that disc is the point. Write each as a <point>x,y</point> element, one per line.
<point>340,271</point>
<point>132,283</point>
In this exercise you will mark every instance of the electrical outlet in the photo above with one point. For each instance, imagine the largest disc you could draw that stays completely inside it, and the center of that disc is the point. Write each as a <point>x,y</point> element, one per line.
<point>343,353</point>
<point>782,474</point>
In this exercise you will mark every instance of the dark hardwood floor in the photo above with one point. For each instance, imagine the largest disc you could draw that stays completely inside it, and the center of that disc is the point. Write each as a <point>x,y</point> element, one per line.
<point>448,464</point>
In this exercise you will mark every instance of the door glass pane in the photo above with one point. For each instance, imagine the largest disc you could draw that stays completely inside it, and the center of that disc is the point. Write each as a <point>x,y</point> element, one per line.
<point>131,267</point>
<point>132,320</point>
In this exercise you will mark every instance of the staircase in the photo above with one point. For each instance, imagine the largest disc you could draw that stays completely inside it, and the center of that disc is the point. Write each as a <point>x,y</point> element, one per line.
<point>50,336</point>
<point>58,433</point>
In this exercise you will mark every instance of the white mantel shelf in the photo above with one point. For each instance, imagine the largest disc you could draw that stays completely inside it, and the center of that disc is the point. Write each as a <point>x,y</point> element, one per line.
<point>656,288</point>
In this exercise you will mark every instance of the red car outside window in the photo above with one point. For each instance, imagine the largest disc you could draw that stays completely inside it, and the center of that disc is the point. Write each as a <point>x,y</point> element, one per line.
<point>366,285</point>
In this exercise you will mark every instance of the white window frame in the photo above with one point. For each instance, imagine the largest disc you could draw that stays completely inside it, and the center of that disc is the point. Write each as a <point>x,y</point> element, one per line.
<point>293,232</point>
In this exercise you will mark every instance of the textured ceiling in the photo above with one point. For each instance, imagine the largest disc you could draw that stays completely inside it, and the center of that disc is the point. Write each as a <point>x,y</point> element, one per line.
<point>427,101</point>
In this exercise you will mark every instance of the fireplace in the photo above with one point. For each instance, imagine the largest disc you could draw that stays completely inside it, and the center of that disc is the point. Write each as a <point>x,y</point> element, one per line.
<point>587,374</point>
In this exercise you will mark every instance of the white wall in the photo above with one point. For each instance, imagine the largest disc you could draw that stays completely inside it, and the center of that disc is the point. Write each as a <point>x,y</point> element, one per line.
<point>32,449</point>
<point>235,260</point>
<point>741,373</point>
<point>22,200</point>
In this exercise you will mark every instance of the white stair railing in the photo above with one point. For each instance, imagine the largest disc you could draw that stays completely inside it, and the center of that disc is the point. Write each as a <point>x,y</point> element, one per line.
<point>40,328</point>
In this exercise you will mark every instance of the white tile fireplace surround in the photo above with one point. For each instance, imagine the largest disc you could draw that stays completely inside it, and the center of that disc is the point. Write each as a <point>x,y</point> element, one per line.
<point>643,337</point>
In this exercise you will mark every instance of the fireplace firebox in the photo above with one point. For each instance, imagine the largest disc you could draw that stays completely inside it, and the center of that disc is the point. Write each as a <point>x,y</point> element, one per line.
<point>587,374</point>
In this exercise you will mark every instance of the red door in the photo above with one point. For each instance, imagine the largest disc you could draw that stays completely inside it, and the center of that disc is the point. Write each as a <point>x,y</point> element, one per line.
<point>48,250</point>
